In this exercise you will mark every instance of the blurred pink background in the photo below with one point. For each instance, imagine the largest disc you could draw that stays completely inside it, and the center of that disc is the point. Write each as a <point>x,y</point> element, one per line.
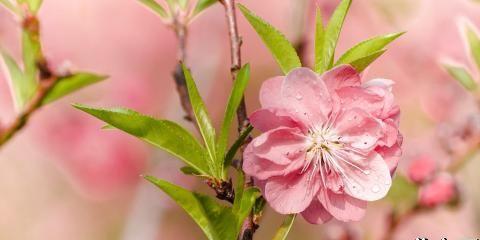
<point>64,178</point>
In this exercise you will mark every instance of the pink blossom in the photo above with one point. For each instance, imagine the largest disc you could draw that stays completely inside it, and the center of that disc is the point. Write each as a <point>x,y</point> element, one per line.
<point>442,189</point>
<point>421,169</point>
<point>329,143</point>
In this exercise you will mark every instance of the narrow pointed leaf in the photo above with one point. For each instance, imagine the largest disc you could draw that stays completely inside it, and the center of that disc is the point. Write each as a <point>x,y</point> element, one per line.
<point>187,170</point>
<point>9,5</point>
<point>31,51</point>
<point>35,5</point>
<point>362,63</point>
<point>183,4</point>
<point>203,120</point>
<point>22,89</point>
<point>234,100</point>
<point>462,75</point>
<point>155,7</point>
<point>164,134</point>
<point>366,48</point>
<point>319,41</point>
<point>282,50</point>
<point>202,5</point>
<point>285,228</point>
<point>69,84</point>
<point>332,33</point>
<point>238,143</point>
<point>244,200</point>
<point>216,221</point>
<point>474,44</point>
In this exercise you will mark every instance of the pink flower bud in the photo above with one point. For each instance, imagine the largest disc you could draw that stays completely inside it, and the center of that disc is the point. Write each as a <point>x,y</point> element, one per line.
<point>421,168</point>
<point>442,189</point>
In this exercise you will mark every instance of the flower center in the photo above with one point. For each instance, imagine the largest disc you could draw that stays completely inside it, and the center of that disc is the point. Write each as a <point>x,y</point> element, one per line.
<point>328,155</point>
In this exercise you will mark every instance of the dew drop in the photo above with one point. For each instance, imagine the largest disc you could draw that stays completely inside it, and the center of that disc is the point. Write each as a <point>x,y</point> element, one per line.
<point>299,97</point>
<point>366,172</point>
<point>375,189</point>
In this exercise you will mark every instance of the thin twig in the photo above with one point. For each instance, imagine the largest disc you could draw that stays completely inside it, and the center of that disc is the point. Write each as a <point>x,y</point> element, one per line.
<point>47,80</point>
<point>223,189</point>
<point>180,82</point>
<point>249,226</point>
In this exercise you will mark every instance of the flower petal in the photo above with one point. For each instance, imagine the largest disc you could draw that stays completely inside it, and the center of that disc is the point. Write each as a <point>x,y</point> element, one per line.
<point>292,193</point>
<point>358,129</point>
<point>391,155</point>
<point>261,168</point>
<point>305,95</point>
<point>270,96</point>
<point>270,118</point>
<point>342,206</point>
<point>316,213</point>
<point>371,182</point>
<point>281,145</point>
<point>341,76</point>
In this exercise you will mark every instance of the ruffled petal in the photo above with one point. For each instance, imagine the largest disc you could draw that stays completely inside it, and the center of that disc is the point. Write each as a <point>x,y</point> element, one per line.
<point>358,129</point>
<point>341,76</point>
<point>270,92</point>
<point>270,118</point>
<point>391,155</point>
<point>261,168</point>
<point>316,213</point>
<point>305,95</point>
<point>342,206</point>
<point>292,193</point>
<point>281,145</point>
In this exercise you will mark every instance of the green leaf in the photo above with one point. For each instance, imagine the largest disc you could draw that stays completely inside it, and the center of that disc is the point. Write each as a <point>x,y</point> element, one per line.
<point>238,143</point>
<point>234,100</point>
<point>183,4</point>
<point>202,5</point>
<point>71,84</point>
<point>332,33</point>
<point>474,44</point>
<point>31,51</point>
<point>462,75</point>
<point>216,221</point>
<point>187,170</point>
<point>285,228</point>
<point>35,5</point>
<point>319,41</point>
<point>9,5</point>
<point>164,134</point>
<point>366,48</point>
<point>362,63</point>
<point>244,200</point>
<point>203,120</point>
<point>403,194</point>
<point>22,88</point>
<point>155,7</point>
<point>277,43</point>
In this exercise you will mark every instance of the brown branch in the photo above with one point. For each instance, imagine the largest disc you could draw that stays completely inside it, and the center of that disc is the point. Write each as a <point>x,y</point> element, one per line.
<point>249,226</point>
<point>180,82</point>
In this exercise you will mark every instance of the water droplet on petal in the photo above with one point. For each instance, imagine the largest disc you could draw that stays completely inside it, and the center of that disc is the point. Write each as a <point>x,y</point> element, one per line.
<point>366,172</point>
<point>299,97</point>
<point>375,189</point>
